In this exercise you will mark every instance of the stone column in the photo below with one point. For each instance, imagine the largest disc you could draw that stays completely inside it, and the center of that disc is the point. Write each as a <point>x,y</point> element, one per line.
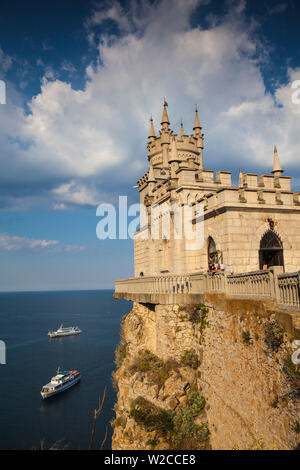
<point>276,270</point>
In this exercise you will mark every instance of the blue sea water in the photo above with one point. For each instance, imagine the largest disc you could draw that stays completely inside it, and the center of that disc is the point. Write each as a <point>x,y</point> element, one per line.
<point>32,359</point>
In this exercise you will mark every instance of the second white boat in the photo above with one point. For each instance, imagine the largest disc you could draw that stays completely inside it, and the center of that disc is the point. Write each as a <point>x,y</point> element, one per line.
<point>72,330</point>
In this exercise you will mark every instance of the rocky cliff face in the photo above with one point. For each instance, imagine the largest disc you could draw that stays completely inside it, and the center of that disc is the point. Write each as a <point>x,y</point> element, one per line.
<point>207,376</point>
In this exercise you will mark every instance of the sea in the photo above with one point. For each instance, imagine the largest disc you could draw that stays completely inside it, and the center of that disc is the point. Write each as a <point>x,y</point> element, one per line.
<point>32,358</point>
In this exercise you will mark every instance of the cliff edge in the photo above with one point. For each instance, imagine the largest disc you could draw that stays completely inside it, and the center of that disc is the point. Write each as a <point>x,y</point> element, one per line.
<point>215,375</point>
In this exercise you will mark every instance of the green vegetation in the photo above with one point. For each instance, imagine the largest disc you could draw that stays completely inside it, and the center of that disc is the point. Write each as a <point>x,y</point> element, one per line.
<point>274,334</point>
<point>198,316</point>
<point>292,372</point>
<point>178,428</point>
<point>157,370</point>
<point>246,337</point>
<point>297,427</point>
<point>120,353</point>
<point>120,421</point>
<point>190,359</point>
<point>152,417</point>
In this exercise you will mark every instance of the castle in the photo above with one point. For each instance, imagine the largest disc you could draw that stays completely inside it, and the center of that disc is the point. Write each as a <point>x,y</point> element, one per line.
<point>227,337</point>
<point>248,227</point>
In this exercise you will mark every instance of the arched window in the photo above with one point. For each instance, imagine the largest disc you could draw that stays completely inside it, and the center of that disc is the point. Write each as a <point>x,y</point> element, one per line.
<point>271,250</point>
<point>212,251</point>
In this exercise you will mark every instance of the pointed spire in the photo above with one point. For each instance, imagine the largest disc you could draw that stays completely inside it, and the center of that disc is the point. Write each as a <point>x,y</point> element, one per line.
<point>197,128</point>
<point>241,182</point>
<point>165,118</point>
<point>276,165</point>
<point>181,134</point>
<point>151,135</point>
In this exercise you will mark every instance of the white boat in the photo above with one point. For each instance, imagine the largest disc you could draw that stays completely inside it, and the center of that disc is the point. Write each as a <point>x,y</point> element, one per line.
<point>72,330</point>
<point>60,382</point>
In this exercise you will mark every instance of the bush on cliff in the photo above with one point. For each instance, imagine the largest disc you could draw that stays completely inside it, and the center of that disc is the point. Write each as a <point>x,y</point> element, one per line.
<point>178,428</point>
<point>190,359</point>
<point>274,334</point>
<point>157,371</point>
<point>145,361</point>
<point>198,315</point>
<point>152,417</point>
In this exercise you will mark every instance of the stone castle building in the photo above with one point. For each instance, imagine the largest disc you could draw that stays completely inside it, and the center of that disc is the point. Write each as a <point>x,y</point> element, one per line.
<point>248,227</point>
<point>227,339</point>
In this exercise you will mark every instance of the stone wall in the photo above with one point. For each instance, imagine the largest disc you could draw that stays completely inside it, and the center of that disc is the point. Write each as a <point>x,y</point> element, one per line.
<point>251,389</point>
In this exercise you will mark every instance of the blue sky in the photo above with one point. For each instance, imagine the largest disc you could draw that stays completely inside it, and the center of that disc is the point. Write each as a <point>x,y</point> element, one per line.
<point>83,78</point>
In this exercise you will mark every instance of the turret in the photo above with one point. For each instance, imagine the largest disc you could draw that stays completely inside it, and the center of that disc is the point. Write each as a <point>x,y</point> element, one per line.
<point>181,134</point>
<point>165,119</point>
<point>197,128</point>
<point>277,171</point>
<point>173,161</point>
<point>151,178</point>
<point>152,135</point>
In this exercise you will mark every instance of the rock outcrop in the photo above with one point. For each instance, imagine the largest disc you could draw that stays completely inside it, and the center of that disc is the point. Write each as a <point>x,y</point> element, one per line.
<point>207,376</point>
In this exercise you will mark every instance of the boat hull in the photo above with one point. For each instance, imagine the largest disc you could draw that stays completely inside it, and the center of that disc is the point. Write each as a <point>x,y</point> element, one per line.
<point>59,335</point>
<point>65,387</point>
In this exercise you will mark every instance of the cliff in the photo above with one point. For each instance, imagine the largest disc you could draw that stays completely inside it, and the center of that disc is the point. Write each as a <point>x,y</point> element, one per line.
<point>214,375</point>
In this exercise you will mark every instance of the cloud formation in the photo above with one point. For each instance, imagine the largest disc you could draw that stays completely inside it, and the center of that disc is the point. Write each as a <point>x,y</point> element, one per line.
<point>10,242</point>
<point>75,147</point>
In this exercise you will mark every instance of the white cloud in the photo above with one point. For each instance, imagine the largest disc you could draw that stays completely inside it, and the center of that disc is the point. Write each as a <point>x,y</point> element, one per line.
<point>97,136</point>
<point>10,242</point>
<point>76,194</point>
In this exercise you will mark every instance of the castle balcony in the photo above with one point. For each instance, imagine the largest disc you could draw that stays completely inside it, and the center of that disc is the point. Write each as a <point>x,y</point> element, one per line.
<point>280,289</point>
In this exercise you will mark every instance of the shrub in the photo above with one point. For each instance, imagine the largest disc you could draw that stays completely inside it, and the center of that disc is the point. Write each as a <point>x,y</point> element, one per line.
<point>157,370</point>
<point>178,428</point>
<point>187,434</point>
<point>297,427</point>
<point>145,361</point>
<point>196,402</point>
<point>152,417</point>
<point>190,359</point>
<point>198,315</point>
<point>274,334</point>
<point>246,337</point>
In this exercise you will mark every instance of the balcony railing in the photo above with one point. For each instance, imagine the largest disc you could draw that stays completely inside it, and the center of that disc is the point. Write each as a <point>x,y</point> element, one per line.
<point>282,288</point>
<point>288,285</point>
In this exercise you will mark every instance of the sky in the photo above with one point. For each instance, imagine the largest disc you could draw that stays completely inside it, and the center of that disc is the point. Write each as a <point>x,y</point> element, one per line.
<point>82,79</point>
